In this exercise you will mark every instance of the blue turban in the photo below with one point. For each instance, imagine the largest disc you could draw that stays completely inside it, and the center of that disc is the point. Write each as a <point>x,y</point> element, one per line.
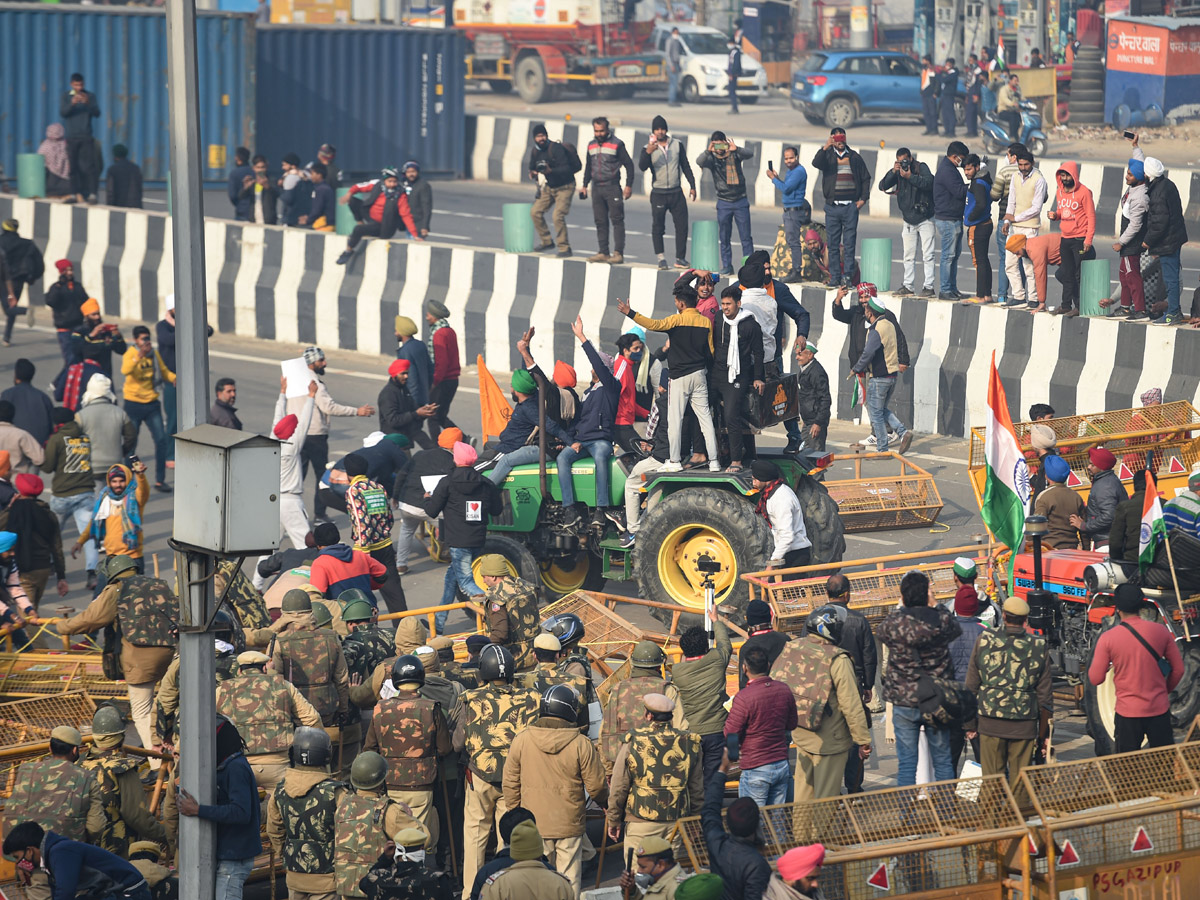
<point>1137,169</point>
<point>1056,468</point>
<point>8,540</point>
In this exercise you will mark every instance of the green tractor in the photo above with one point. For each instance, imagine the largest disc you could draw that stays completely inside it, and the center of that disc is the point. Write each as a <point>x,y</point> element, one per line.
<point>689,515</point>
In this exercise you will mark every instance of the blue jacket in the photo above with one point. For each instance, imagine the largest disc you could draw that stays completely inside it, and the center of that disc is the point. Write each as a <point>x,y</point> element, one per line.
<point>949,192</point>
<point>236,810</point>
<point>242,206</point>
<point>963,646</point>
<point>521,423</point>
<point>420,375</point>
<point>81,868</point>
<point>979,200</point>
<point>794,186</point>
<point>598,411</point>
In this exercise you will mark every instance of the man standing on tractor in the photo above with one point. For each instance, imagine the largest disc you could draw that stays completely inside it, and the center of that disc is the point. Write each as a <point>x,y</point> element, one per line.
<point>511,606</point>
<point>737,368</point>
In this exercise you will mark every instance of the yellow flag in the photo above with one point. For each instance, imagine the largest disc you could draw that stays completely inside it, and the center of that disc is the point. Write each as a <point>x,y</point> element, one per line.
<point>493,405</point>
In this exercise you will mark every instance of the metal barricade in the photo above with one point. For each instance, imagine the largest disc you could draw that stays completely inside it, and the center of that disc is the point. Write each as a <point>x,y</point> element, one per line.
<point>42,674</point>
<point>875,500</point>
<point>30,721</point>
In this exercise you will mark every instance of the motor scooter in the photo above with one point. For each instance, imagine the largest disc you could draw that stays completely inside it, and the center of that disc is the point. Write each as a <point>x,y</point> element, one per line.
<point>996,137</point>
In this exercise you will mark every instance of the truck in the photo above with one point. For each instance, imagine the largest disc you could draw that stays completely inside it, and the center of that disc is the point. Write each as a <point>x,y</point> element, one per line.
<point>542,48</point>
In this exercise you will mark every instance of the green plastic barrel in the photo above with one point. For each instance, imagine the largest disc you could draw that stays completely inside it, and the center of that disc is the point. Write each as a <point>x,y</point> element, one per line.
<point>31,175</point>
<point>706,256</point>
<point>345,218</point>
<point>1095,284</point>
<point>875,261</point>
<point>518,227</point>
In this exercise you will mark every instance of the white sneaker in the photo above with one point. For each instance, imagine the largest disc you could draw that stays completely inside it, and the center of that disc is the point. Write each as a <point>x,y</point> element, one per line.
<point>870,441</point>
<point>714,466</point>
<point>670,466</point>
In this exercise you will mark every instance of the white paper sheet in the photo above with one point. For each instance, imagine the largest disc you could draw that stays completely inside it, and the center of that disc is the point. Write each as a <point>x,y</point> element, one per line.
<point>429,482</point>
<point>299,376</point>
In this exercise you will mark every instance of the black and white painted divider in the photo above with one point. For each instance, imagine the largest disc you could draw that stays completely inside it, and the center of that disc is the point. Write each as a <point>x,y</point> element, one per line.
<point>501,152</point>
<point>283,284</point>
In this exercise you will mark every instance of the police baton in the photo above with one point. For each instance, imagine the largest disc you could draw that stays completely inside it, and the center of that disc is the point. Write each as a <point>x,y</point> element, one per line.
<point>629,855</point>
<point>449,824</point>
<point>603,849</point>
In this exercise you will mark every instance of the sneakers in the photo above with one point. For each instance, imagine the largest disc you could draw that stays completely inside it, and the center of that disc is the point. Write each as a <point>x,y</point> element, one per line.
<point>598,258</point>
<point>571,517</point>
<point>793,445</point>
<point>401,570</point>
<point>345,257</point>
<point>714,466</point>
<point>628,539</point>
<point>1137,315</point>
<point>613,514</point>
<point>617,259</point>
<point>726,270</point>
<point>953,298</point>
<point>563,254</point>
<point>1168,320</point>
<point>905,443</point>
<point>681,263</point>
<point>1013,302</point>
<point>903,292</point>
<point>662,265</point>
<point>927,294</point>
<point>670,466</point>
<point>545,248</point>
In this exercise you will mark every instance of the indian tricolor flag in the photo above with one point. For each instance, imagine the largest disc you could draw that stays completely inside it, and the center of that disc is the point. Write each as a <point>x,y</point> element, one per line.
<point>1001,55</point>
<point>1006,491</point>
<point>1154,529</point>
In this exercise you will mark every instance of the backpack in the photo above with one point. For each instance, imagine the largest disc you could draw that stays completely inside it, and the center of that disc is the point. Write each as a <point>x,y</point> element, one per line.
<point>572,156</point>
<point>944,702</point>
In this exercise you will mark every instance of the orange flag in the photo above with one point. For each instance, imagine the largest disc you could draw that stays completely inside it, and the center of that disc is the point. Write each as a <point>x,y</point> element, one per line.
<point>493,405</point>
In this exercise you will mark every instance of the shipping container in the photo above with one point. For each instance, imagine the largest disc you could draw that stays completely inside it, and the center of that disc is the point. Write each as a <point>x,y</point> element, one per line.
<point>1153,70</point>
<point>380,95</point>
<point>122,54</point>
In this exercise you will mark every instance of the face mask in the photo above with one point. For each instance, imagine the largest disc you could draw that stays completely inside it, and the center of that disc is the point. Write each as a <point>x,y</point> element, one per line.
<point>643,880</point>
<point>637,357</point>
<point>1068,183</point>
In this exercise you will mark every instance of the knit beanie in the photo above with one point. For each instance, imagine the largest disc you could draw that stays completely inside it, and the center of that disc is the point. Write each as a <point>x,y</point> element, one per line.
<point>657,123</point>
<point>525,842</point>
<point>743,815</point>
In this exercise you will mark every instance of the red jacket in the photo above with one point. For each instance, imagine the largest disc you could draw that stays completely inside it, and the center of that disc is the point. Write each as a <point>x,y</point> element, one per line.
<point>1076,210</point>
<point>339,568</point>
<point>627,407</point>
<point>380,200</point>
<point>445,355</point>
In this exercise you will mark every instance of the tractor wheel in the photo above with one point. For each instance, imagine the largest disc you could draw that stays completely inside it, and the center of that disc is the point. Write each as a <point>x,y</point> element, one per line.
<point>1185,699</point>
<point>563,576</point>
<point>821,521</point>
<point>520,561</point>
<point>691,523</point>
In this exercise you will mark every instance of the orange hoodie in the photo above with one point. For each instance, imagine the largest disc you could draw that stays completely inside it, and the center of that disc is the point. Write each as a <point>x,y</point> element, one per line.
<point>1076,209</point>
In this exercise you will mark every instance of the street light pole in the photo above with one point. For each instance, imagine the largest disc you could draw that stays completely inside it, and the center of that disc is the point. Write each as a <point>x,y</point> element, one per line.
<point>197,697</point>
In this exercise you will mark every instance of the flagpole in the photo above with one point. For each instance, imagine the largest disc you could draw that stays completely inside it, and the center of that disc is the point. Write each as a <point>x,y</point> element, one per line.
<point>1178,597</point>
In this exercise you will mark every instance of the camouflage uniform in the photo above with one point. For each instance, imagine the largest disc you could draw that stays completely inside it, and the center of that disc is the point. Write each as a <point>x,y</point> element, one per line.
<point>389,879</point>
<point>832,719</point>
<point>245,599</point>
<point>313,661</point>
<point>512,618</point>
<point>1010,671</point>
<point>657,779</point>
<point>138,614</point>
<point>364,823</point>
<point>625,710</point>
<point>545,675</point>
<point>60,796</point>
<point>166,700</point>
<point>365,648</point>
<point>300,825</point>
<point>488,718</point>
<point>127,818</point>
<point>266,709</point>
<point>410,732</point>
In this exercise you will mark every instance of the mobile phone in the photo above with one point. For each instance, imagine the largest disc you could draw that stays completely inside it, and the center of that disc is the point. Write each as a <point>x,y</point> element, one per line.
<point>1129,135</point>
<point>582,195</point>
<point>133,459</point>
<point>733,747</point>
<point>770,165</point>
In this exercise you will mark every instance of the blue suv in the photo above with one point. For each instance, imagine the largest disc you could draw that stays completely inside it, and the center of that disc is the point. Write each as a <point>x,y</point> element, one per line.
<point>837,87</point>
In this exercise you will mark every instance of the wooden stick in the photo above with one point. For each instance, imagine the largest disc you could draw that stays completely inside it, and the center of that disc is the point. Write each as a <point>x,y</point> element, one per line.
<point>1178,596</point>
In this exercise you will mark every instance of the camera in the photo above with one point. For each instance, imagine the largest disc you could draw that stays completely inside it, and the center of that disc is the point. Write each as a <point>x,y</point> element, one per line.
<point>541,165</point>
<point>708,565</point>
<point>906,164</point>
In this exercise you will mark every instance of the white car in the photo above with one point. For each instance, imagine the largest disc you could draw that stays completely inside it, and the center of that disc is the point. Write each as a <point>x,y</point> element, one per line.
<point>706,56</point>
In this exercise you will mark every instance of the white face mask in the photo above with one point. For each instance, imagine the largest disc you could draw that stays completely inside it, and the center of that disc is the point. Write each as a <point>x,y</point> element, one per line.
<point>405,855</point>
<point>223,647</point>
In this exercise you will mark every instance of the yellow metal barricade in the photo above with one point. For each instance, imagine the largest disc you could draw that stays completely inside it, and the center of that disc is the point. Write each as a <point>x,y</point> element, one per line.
<point>42,674</point>
<point>30,721</point>
<point>878,500</point>
<point>962,839</point>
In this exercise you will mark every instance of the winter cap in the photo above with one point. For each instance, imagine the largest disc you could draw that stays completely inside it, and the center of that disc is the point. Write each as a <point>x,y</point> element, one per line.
<point>8,540</point>
<point>525,842</point>
<point>10,225</point>
<point>1152,397</point>
<point>327,149</point>
<point>373,438</point>
<point>1056,468</point>
<point>758,612</point>
<point>98,387</point>
<point>28,485</point>
<point>1137,169</point>
<point>701,886</point>
<point>564,375</point>
<point>90,306</point>
<point>405,327</point>
<point>743,815</point>
<point>522,382</point>
<point>493,564</point>
<point>464,454</point>
<point>355,465</point>
<point>809,345</point>
<point>67,735</point>
<point>800,862</point>
<point>1129,598</point>
<point>1042,437</point>
<point>544,641</point>
<point>1015,243</point>
<point>966,601</point>
<point>765,470</point>
<point>63,264</point>
<point>410,837</point>
<point>1194,480</point>
<point>448,437</point>
<point>965,568</point>
<point>286,427</point>
<point>398,367</point>
<point>1015,606</point>
<point>169,302</point>
<point>313,355</point>
<point>411,164</point>
<point>291,159</point>
<point>539,128</point>
<point>658,122</point>
<point>1101,458</point>
<point>437,309</point>
<point>1153,167</point>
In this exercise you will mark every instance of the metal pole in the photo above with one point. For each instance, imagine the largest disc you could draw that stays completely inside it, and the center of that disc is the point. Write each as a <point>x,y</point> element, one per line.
<point>197,698</point>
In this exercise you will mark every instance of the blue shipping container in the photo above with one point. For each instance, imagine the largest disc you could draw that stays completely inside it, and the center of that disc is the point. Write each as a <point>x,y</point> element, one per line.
<point>122,54</point>
<point>380,95</point>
